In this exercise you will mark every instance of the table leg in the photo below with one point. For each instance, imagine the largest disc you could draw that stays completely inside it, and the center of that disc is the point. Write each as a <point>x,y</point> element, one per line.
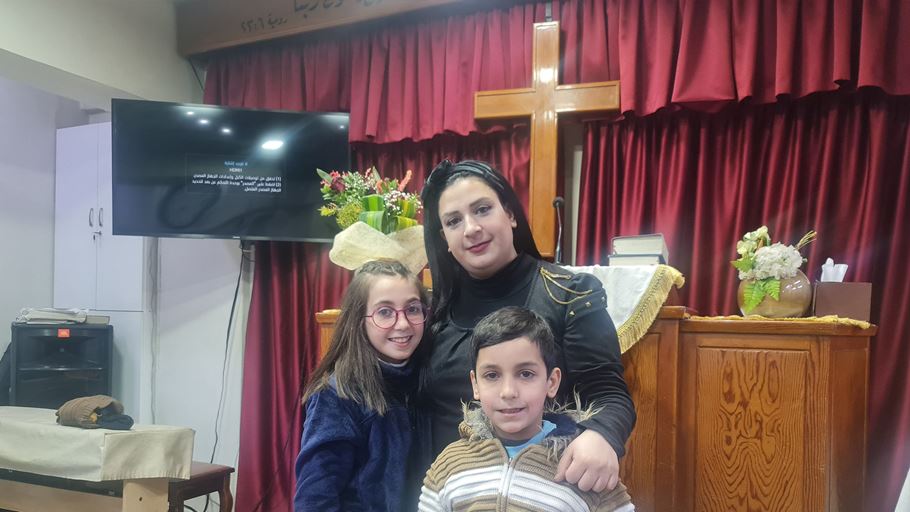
<point>145,495</point>
<point>224,495</point>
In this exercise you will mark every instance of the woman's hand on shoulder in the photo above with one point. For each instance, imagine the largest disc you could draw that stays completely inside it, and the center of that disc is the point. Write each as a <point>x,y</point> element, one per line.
<point>589,463</point>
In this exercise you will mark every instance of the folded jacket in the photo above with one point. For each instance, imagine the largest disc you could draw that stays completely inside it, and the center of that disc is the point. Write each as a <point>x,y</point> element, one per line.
<point>99,411</point>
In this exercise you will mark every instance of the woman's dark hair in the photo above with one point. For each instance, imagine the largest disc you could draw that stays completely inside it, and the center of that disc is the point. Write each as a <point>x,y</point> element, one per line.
<point>443,266</point>
<point>351,358</point>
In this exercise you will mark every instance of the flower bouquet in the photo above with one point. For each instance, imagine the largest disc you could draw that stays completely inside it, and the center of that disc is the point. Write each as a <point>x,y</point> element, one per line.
<point>378,218</point>
<point>367,197</point>
<point>772,270</point>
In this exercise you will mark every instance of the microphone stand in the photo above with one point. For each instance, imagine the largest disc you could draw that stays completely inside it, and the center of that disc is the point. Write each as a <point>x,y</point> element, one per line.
<point>557,204</point>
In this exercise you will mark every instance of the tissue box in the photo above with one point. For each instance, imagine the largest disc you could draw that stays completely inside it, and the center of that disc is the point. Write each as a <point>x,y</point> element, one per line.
<point>850,300</point>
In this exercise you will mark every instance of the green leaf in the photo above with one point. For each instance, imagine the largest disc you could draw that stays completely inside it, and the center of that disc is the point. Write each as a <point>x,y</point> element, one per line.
<point>744,264</point>
<point>754,293</point>
<point>373,219</point>
<point>408,208</point>
<point>324,175</point>
<point>373,203</point>
<point>772,287</point>
<point>398,223</point>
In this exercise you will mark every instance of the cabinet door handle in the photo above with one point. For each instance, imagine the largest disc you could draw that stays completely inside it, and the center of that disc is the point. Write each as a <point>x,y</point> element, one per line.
<point>91,211</point>
<point>101,217</point>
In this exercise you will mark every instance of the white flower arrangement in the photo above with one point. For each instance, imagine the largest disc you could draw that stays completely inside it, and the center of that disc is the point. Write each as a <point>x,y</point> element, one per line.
<point>776,261</point>
<point>764,264</point>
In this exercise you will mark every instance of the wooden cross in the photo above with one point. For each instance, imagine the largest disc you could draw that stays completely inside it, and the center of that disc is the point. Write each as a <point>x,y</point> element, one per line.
<point>545,101</point>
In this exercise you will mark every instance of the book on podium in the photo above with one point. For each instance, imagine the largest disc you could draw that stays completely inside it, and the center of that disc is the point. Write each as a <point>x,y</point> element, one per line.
<point>648,249</point>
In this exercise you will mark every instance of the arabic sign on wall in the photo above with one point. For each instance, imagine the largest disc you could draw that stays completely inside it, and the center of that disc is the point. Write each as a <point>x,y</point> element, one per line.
<point>205,25</point>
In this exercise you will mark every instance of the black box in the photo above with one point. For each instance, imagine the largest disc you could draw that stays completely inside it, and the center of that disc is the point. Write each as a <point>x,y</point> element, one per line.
<point>54,363</point>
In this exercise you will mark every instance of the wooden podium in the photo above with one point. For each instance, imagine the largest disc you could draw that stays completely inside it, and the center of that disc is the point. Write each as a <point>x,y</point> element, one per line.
<point>742,414</point>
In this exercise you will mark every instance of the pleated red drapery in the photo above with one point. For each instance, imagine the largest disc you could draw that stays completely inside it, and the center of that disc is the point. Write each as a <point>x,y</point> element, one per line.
<point>410,85</point>
<point>838,163</point>
<point>281,346</point>
<point>705,53</point>
<point>293,281</point>
<point>416,79</point>
<point>419,82</point>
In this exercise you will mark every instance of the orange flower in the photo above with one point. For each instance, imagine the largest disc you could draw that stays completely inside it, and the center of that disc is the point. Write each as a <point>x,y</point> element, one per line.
<point>407,178</point>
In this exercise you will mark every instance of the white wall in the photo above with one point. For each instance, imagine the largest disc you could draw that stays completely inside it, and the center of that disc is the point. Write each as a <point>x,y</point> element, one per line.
<point>91,51</point>
<point>96,49</point>
<point>197,279</point>
<point>28,128</point>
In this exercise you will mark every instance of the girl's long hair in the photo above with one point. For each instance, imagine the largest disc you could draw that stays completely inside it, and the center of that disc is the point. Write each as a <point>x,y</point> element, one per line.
<point>443,266</point>
<point>351,359</point>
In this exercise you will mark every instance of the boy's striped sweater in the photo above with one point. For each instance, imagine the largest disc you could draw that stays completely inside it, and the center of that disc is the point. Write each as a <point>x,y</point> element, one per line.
<point>475,473</point>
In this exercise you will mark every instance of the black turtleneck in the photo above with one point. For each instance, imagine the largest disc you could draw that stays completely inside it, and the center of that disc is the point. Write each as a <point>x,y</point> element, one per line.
<point>476,298</point>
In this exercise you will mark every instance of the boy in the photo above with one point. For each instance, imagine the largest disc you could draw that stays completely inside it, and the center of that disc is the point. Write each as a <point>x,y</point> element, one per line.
<point>509,448</point>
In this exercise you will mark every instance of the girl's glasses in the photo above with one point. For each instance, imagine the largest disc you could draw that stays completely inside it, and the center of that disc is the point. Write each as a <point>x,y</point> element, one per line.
<point>386,317</point>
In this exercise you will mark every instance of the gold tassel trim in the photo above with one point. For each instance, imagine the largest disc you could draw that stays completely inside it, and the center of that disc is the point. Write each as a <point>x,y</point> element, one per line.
<point>638,323</point>
<point>827,319</point>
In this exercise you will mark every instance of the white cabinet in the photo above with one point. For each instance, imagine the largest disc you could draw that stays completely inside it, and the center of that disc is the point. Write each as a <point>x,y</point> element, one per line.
<point>129,363</point>
<point>96,270</point>
<point>92,268</point>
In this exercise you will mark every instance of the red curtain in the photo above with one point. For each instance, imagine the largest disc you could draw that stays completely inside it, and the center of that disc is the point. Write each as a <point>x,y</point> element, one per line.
<point>400,82</point>
<point>416,80</point>
<point>313,76</point>
<point>703,53</point>
<point>509,151</point>
<point>835,162</point>
<point>293,281</point>
<point>409,86</point>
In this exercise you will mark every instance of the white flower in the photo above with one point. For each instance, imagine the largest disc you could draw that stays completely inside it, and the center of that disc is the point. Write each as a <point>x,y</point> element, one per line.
<point>758,234</point>
<point>777,260</point>
<point>744,247</point>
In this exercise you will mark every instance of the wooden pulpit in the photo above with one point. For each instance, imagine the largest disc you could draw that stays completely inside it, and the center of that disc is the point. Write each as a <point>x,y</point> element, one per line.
<point>742,414</point>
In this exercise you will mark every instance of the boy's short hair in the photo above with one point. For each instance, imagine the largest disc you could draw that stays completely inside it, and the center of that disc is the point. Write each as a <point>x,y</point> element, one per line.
<point>510,323</point>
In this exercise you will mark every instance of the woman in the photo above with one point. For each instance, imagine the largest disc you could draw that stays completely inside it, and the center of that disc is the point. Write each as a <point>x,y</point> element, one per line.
<point>483,257</point>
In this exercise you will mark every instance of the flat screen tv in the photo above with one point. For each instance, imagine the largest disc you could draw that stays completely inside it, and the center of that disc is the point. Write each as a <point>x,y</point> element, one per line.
<point>183,170</point>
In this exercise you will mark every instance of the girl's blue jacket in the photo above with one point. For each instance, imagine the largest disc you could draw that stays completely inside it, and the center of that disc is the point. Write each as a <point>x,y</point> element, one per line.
<point>351,458</point>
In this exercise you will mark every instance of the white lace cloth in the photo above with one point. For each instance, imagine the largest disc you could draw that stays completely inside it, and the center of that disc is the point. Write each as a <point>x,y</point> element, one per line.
<point>635,294</point>
<point>625,286</point>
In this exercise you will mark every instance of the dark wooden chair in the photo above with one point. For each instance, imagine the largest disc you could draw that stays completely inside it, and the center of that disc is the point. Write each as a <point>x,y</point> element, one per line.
<point>204,479</point>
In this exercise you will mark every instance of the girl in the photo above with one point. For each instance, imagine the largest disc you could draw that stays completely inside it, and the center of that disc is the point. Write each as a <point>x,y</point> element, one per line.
<point>358,429</point>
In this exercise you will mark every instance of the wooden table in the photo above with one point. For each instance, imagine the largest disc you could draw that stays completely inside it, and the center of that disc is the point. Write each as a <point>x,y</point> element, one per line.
<point>26,492</point>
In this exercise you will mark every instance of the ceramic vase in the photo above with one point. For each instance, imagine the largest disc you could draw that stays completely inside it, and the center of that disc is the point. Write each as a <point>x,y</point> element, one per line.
<point>795,297</point>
